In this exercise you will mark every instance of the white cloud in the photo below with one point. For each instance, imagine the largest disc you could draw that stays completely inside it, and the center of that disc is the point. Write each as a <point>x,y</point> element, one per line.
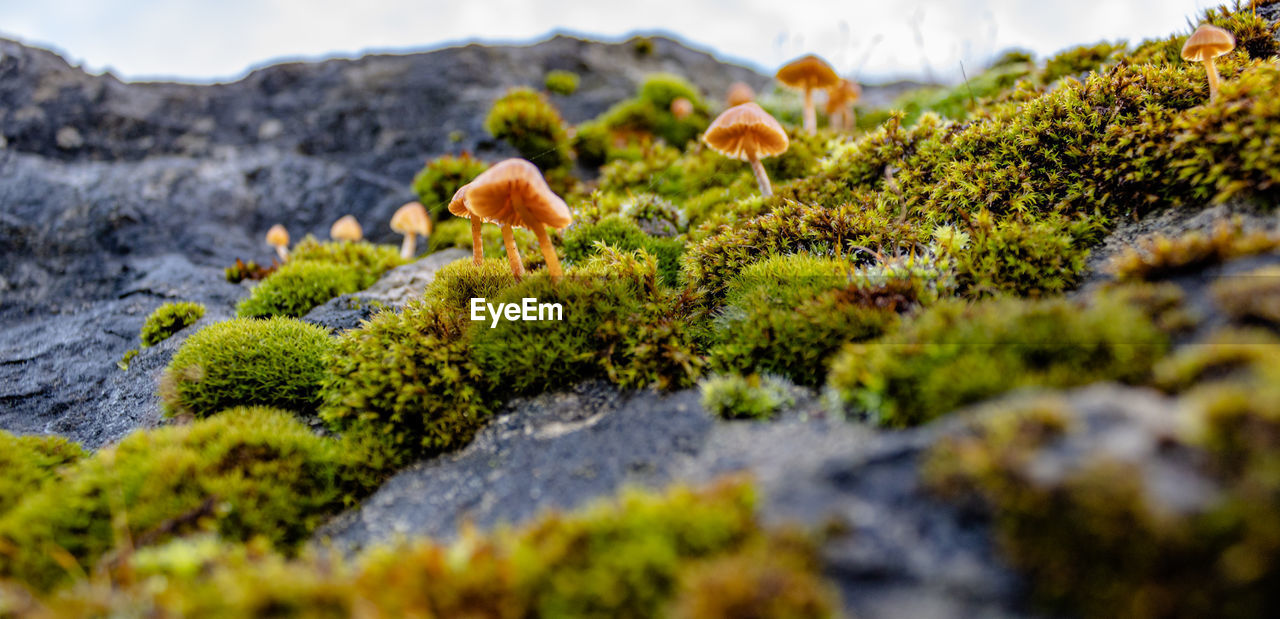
<point>204,41</point>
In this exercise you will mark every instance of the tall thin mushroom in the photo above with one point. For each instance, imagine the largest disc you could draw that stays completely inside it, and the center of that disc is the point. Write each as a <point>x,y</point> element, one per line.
<point>749,133</point>
<point>458,206</point>
<point>411,220</point>
<point>1204,45</point>
<point>808,74</point>
<point>278,237</point>
<point>513,193</point>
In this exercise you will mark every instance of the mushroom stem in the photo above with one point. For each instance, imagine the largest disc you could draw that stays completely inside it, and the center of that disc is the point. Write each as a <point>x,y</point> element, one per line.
<point>1212,70</point>
<point>548,252</point>
<point>762,179</point>
<point>513,255</point>
<point>409,247</point>
<point>477,246</point>
<point>810,117</point>
<point>283,252</point>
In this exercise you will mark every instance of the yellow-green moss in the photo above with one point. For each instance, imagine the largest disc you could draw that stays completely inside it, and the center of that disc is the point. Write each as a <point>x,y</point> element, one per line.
<point>298,287</point>
<point>1250,297</point>
<point>167,320</point>
<point>436,183</point>
<point>561,82</point>
<point>734,396</point>
<point>244,473</point>
<point>27,462</point>
<point>955,354</point>
<point>532,125</point>
<point>243,362</point>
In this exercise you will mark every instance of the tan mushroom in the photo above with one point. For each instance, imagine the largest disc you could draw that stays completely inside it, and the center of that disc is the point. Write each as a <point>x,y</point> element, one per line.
<point>681,108</point>
<point>808,74</point>
<point>740,93</point>
<point>840,99</point>
<point>346,229</point>
<point>514,193</point>
<point>1204,45</point>
<point>278,237</point>
<point>749,133</point>
<point>411,220</point>
<point>458,206</point>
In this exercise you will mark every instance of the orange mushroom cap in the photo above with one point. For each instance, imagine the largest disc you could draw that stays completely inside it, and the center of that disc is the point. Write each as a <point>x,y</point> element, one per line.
<point>807,73</point>
<point>1207,42</point>
<point>513,193</point>
<point>278,236</point>
<point>681,107</point>
<point>740,93</point>
<point>746,130</point>
<point>458,205</point>
<point>346,229</point>
<point>411,219</point>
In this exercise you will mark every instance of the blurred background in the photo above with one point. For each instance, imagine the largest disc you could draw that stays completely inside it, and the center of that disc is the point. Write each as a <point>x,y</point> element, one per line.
<point>926,40</point>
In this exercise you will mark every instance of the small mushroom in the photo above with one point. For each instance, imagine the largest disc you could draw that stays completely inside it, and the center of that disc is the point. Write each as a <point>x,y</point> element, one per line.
<point>346,229</point>
<point>840,100</point>
<point>749,133</point>
<point>458,206</point>
<point>1205,44</point>
<point>808,74</point>
<point>514,193</point>
<point>681,108</point>
<point>278,237</point>
<point>740,93</point>
<point>411,220</point>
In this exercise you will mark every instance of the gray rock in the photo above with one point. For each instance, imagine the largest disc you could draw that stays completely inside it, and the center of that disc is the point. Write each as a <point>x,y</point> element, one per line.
<point>905,555</point>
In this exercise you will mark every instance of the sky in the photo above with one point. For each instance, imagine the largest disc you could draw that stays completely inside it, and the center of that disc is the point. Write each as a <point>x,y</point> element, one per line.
<point>221,40</point>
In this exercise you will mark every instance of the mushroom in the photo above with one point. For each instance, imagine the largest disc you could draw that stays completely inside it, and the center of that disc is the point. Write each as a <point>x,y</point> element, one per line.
<point>681,108</point>
<point>346,229</point>
<point>749,133</point>
<point>808,74</point>
<point>1205,44</point>
<point>840,100</point>
<point>278,237</point>
<point>514,193</point>
<point>411,220</point>
<point>458,206</point>
<point>740,93</point>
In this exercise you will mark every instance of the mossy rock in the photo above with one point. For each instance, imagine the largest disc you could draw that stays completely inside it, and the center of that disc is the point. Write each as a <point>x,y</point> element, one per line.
<point>532,125</point>
<point>244,362</point>
<point>436,183</point>
<point>169,319</point>
<point>369,260</point>
<point>788,314</point>
<point>954,354</point>
<point>622,234</point>
<point>298,287</point>
<point>244,473</point>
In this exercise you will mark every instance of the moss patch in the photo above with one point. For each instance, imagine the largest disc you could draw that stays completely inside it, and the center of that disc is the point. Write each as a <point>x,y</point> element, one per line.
<point>168,319</point>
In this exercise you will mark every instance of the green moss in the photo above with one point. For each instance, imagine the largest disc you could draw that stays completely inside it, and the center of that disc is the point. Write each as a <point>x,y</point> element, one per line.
<point>529,123</point>
<point>408,379</point>
<point>1024,257</point>
<point>734,396</point>
<point>789,229</point>
<point>369,260</point>
<point>622,234</point>
<point>643,555</point>
<point>244,473</point>
<point>646,116</point>
<point>243,362</point>
<point>298,287</point>
<point>561,82</point>
<point>1080,60</point>
<point>28,462</point>
<point>168,319</point>
<point>1230,353</point>
<point>127,358</point>
<point>614,316</point>
<point>788,314</point>
<point>436,183</point>
<point>955,354</point>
